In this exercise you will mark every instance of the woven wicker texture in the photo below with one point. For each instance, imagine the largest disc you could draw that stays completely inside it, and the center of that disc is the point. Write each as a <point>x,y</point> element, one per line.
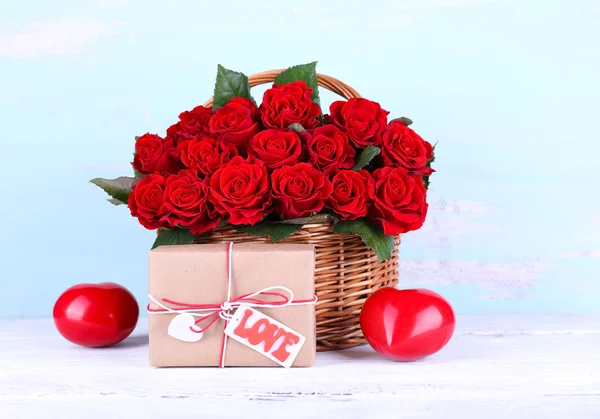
<point>347,271</point>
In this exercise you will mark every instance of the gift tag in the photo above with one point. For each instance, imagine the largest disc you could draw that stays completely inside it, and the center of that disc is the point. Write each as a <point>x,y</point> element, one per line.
<point>183,327</point>
<point>265,335</point>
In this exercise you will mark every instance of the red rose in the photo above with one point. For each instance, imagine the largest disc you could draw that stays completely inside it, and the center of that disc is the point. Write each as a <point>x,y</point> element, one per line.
<point>205,154</point>
<point>299,190</point>
<point>351,198</point>
<point>362,119</point>
<point>146,201</point>
<point>275,148</point>
<point>154,154</point>
<point>186,197</point>
<point>240,191</point>
<point>328,147</point>
<point>405,148</point>
<point>191,123</point>
<point>399,200</point>
<point>286,104</point>
<point>235,122</point>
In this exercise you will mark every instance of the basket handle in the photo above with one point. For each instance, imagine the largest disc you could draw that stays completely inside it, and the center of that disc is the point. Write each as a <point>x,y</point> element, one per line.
<point>328,82</point>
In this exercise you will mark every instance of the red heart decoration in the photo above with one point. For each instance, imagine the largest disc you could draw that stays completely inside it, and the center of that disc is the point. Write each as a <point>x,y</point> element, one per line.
<point>406,325</point>
<point>96,315</point>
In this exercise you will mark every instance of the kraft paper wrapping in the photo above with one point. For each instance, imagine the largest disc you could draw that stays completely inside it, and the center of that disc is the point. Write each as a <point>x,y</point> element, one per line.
<point>197,274</point>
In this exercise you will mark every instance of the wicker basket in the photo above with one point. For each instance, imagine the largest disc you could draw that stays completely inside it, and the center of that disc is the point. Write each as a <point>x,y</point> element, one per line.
<point>347,271</point>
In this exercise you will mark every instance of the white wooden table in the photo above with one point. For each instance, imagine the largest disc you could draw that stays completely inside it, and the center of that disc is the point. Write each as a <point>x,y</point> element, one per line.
<point>494,368</point>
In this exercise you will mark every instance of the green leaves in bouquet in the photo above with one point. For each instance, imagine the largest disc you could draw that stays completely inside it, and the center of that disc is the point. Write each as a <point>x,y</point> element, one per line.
<point>426,178</point>
<point>173,237</point>
<point>275,231</point>
<point>229,84</point>
<point>137,174</point>
<point>311,219</point>
<point>119,188</point>
<point>280,230</point>
<point>365,157</point>
<point>407,121</point>
<point>115,201</point>
<point>371,235</point>
<point>304,72</point>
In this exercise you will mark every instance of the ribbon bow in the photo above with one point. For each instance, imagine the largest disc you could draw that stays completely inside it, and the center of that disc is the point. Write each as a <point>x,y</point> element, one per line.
<point>212,312</point>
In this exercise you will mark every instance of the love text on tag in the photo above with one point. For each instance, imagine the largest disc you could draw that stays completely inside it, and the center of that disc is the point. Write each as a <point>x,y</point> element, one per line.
<point>265,335</point>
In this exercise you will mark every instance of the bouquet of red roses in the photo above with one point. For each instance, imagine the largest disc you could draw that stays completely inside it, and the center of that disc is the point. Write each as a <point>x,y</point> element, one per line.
<point>268,169</point>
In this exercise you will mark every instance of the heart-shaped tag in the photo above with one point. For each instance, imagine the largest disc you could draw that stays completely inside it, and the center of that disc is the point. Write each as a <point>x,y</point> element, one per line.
<point>183,327</point>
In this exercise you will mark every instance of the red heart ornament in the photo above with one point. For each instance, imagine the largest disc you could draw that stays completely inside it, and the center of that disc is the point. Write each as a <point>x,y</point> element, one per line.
<point>406,325</point>
<point>96,315</point>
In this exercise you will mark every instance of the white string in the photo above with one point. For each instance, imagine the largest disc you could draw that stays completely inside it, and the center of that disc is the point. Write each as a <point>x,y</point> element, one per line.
<point>229,281</point>
<point>226,306</point>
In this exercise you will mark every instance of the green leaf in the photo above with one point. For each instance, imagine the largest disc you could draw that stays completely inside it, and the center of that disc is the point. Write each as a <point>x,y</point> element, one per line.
<point>118,188</point>
<point>297,127</point>
<point>116,201</point>
<point>371,234</point>
<point>407,121</point>
<point>136,174</point>
<point>229,84</point>
<point>365,156</point>
<point>275,231</point>
<point>317,218</point>
<point>173,237</point>
<point>426,181</point>
<point>304,72</point>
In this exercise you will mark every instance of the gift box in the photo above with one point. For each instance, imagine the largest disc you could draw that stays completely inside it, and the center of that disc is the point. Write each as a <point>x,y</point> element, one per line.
<point>232,305</point>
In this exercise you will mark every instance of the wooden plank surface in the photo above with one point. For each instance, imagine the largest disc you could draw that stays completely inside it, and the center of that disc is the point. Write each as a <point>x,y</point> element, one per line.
<point>495,367</point>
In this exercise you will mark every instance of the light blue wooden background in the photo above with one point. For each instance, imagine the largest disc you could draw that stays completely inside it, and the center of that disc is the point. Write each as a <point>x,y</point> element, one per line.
<point>509,88</point>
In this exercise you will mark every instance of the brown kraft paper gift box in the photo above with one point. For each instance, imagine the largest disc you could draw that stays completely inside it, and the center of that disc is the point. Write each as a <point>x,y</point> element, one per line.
<point>197,274</point>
